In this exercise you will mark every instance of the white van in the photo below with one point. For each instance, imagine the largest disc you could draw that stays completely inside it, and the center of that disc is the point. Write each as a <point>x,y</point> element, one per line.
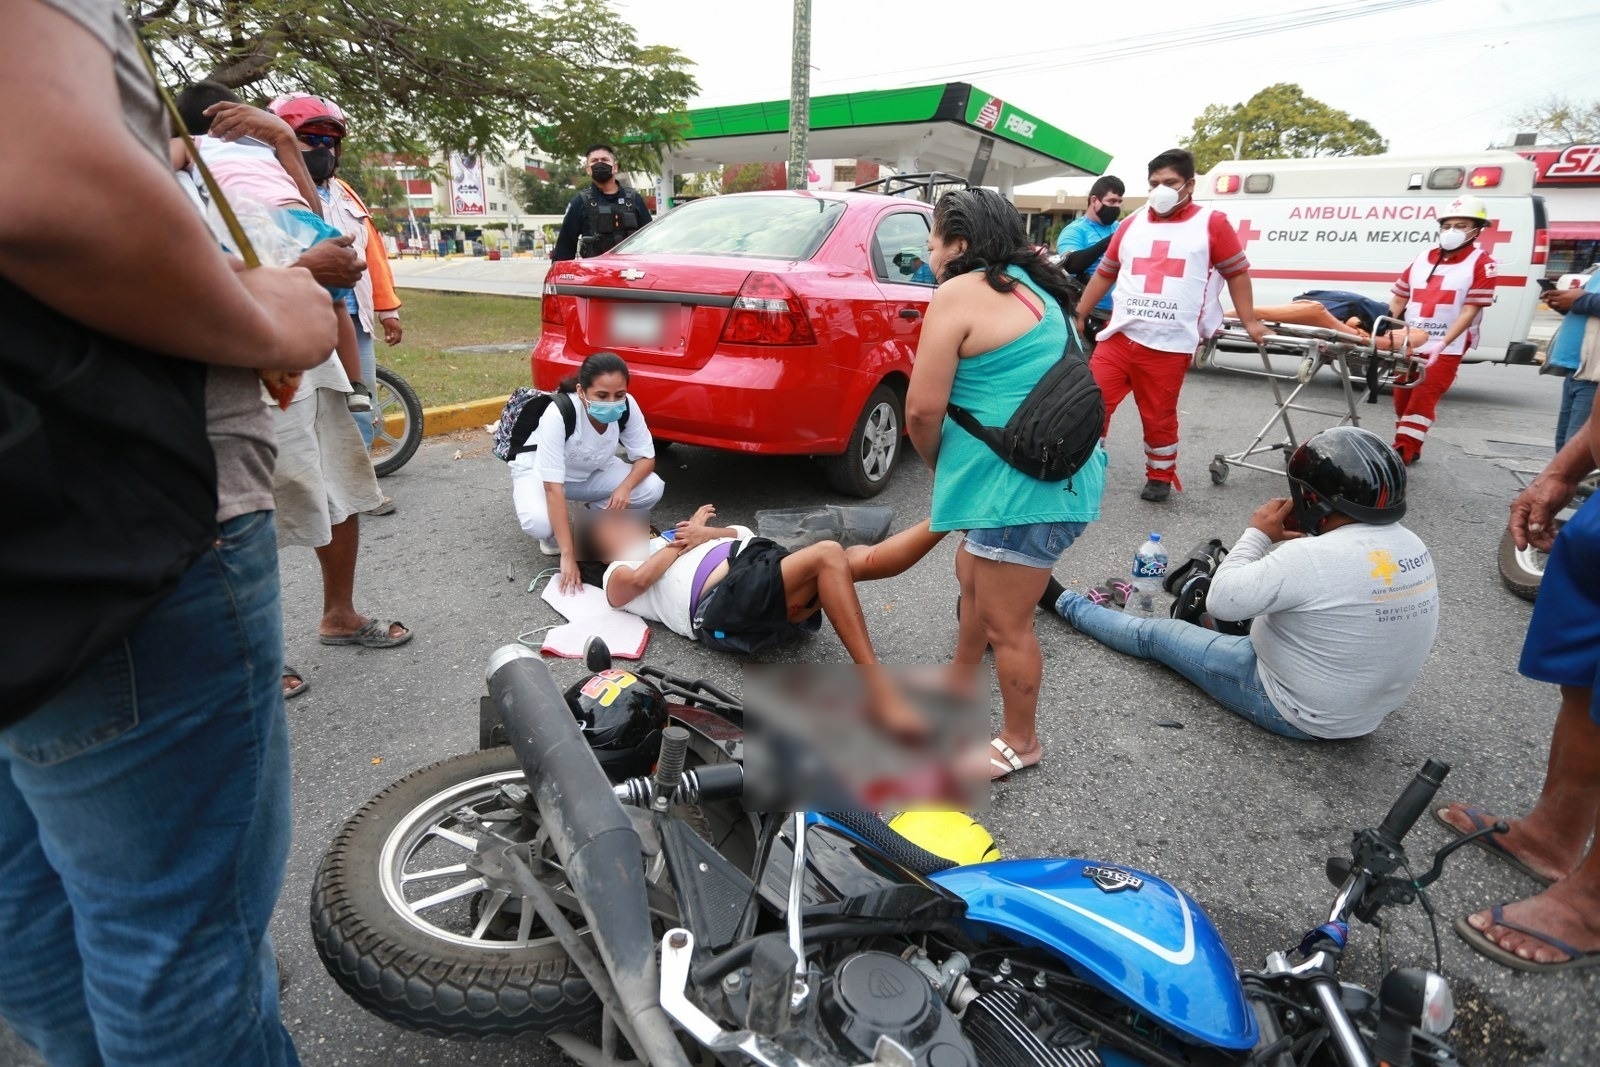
<point>1355,223</point>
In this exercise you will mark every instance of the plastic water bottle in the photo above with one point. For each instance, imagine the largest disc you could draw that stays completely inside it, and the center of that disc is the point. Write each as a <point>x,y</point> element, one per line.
<point>1149,568</point>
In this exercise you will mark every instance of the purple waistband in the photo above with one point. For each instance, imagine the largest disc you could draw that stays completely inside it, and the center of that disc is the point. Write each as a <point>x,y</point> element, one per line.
<point>717,555</point>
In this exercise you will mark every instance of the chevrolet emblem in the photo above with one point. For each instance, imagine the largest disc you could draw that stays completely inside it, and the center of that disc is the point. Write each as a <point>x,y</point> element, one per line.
<point>632,275</point>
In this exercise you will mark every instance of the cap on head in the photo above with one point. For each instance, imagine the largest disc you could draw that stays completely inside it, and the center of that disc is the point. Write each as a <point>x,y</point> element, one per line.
<point>300,110</point>
<point>1466,207</point>
<point>1350,471</point>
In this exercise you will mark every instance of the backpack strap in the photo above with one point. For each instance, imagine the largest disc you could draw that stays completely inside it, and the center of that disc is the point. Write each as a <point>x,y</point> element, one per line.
<point>569,411</point>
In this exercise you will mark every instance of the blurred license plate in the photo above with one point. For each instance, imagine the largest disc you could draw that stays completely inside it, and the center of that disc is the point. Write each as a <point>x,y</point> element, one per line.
<point>636,325</point>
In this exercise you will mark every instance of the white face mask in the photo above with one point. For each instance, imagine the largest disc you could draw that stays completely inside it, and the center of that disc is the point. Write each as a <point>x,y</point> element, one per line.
<point>1164,199</point>
<point>1450,240</point>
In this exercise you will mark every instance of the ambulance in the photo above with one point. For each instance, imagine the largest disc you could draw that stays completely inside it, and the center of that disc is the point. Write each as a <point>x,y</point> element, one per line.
<point>1354,223</point>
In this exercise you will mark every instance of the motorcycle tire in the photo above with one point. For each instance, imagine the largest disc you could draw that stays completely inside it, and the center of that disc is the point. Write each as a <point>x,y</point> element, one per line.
<point>1521,570</point>
<point>393,398</point>
<point>401,972</point>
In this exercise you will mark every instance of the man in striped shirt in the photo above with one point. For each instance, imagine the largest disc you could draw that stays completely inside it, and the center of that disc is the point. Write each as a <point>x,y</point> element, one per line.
<point>1444,292</point>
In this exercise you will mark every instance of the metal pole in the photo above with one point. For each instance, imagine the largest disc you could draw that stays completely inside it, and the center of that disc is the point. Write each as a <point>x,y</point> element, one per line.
<point>799,93</point>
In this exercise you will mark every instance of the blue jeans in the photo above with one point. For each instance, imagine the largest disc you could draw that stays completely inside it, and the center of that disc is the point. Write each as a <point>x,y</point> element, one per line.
<point>1222,665</point>
<point>1577,400</point>
<point>369,375</point>
<point>144,828</point>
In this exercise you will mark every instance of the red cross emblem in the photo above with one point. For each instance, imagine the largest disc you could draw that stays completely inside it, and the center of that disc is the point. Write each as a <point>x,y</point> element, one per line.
<point>1491,236</point>
<point>1432,295</point>
<point>1158,266</point>
<point>1246,234</point>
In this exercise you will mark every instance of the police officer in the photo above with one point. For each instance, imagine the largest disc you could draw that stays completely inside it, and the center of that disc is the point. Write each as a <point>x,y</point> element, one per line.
<point>602,215</point>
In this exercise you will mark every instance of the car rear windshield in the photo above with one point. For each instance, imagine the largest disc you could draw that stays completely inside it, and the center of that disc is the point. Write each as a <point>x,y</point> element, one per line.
<point>766,227</point>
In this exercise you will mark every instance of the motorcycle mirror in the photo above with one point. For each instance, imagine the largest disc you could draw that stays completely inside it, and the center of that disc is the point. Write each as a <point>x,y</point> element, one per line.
<point>596,656</point>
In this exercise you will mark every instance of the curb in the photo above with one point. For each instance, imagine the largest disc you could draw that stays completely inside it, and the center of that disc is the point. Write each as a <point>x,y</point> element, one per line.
<point>472,415</point>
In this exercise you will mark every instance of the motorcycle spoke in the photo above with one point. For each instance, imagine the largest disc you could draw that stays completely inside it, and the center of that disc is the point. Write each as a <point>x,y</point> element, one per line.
<point>445,896</point>
<point>491,909</point>
<point>455,837</point>
<point>437,872</point>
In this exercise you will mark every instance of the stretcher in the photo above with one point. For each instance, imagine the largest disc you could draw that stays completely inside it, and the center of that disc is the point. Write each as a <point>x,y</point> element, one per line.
<point>1378,359</point>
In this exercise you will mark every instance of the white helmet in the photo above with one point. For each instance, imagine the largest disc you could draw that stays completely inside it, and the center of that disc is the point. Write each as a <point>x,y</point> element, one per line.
<point>1466,207</point>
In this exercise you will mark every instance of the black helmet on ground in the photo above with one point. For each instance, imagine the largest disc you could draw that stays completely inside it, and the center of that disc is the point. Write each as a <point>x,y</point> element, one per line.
<point>621,716</point>
<point>1350,471</point>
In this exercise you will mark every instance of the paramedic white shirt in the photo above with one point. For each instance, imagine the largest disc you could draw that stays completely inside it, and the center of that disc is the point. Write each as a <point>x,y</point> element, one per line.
<point>667,601</point>
<point>573,459</point>
<point>1343,621</point>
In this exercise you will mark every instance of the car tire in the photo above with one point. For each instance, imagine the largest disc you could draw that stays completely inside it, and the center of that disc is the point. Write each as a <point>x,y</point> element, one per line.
<point>393,966</point>
<point>867,463</point>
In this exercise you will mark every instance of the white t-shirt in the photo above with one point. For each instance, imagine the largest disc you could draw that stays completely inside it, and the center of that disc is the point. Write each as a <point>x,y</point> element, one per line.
<point>1343,621</point>
<point>667,601</point>
<point>572,460</point>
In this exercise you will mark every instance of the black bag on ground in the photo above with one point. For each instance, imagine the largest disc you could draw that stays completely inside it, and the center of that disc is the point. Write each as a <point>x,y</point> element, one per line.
<point>110,492</point>
<point>1190,585</point>
<point>1055,429</point>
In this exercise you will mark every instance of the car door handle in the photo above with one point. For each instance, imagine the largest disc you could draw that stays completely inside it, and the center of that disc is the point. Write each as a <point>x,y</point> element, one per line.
<point>910,313</point>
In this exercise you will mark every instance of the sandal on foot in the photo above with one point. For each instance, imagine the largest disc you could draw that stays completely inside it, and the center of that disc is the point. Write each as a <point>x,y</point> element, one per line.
<point>1490,843</point>
<point>375,634</point>
<point>290,693</point>
<point>1006,762</point>
<point>1482,944</point>
<point>1122,591</point>
<point>1102,596</point>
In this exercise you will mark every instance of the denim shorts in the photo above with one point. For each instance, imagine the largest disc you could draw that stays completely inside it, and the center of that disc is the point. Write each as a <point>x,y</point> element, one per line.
<point>1035,544</point>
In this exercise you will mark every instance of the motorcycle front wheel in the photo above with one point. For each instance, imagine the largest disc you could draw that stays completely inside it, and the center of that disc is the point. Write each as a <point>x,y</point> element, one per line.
<point>1522,569</point>
<point>397,422</point>
<point>411,932</point>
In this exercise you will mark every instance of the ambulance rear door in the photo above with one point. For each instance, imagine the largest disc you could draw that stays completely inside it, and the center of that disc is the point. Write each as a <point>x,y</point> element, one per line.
<point>1355,223</point>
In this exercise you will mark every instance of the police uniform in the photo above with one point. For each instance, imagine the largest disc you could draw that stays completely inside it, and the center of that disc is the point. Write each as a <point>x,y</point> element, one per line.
<point>597,221</point>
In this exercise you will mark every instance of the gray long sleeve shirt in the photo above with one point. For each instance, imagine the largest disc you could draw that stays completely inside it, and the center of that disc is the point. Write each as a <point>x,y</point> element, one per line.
<point>1343,621</point>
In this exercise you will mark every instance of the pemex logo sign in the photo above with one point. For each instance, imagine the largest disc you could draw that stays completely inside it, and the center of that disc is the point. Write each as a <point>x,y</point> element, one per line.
<point>989,114</point>
<point>993,113</point>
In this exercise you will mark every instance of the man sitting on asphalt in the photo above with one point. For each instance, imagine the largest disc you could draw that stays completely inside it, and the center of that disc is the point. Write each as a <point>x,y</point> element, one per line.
<point>1345,612</point>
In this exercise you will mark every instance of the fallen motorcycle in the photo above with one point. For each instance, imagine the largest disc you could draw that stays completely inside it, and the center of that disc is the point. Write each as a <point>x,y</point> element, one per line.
<point>1522,569</point>
<point>560,886</point>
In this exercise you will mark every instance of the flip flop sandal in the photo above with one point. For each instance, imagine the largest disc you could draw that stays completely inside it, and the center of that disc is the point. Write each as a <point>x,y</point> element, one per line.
<point>1006,763</point>
<point>299,690</point>
<point>1490,843</point>
<point>375,634</point>
<point>1480,943</point>
<point>1102,596</point>
<point>1121,590</point>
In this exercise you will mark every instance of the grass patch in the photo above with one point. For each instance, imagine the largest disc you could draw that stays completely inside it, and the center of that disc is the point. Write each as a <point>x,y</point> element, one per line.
<point>435,321</point>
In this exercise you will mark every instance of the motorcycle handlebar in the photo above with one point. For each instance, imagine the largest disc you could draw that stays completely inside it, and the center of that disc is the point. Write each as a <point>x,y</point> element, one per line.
<point>1413,802</point>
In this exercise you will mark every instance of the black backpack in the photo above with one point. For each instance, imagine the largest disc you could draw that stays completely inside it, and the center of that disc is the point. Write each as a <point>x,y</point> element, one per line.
<point>1055,429</point>
<point>520,417</point>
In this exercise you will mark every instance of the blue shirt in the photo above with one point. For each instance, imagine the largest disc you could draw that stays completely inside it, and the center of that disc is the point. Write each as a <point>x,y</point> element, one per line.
<point>1086,232</point>
<point>974,489</point>
<point>1566,347</point>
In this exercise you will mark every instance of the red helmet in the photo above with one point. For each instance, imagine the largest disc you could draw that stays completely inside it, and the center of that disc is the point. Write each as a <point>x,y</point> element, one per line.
<point>300,110</point>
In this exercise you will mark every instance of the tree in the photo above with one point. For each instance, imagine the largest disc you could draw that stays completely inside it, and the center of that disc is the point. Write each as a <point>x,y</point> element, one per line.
<point>749,177</point>
<point>541,197</point>
<point>459,74</point>
<point>1560,120</point>
<point>1279,122</point>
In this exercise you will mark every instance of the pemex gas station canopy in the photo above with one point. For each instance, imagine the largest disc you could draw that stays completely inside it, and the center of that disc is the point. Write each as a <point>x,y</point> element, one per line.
<point>954,127</point>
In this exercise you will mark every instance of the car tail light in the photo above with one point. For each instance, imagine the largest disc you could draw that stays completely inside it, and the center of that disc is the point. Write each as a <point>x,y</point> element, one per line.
<point>550,311</point>
<point>1227,183</point>
<point>1484,177</point>
<point>767,312</point>
<point>1541,247</point>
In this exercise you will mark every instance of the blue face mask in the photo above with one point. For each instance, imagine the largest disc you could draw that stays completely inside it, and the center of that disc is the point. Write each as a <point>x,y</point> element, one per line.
<point>606,411</point>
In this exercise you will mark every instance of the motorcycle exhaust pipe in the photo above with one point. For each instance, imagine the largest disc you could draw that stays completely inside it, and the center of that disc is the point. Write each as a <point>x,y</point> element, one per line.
<point>598,845</point>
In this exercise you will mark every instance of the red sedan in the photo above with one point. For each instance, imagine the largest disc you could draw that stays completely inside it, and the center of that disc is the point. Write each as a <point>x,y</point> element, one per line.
<point>779,323</point>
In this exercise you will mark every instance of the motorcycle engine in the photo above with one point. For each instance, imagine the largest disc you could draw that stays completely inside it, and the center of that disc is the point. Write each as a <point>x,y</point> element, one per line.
<point>875,993</point>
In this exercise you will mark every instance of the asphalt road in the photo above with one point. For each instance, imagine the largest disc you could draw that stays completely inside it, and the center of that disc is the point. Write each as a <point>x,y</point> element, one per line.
<point>1241,819</point>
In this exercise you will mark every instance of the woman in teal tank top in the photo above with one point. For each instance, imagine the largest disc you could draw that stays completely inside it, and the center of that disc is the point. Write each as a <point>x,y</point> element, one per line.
<point>996,323</point>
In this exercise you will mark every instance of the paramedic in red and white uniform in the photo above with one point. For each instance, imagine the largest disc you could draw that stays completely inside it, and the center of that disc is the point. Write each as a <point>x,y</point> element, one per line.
<point>1443,292</point>
<point>1169,263</point>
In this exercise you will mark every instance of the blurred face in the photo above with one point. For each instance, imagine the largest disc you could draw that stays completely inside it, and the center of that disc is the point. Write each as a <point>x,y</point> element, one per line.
<point>941,251</point>
<point>617,535</point>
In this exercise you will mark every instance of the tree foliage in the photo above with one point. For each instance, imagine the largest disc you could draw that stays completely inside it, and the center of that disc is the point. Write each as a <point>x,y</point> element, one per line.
<point>539,196</point>
<point>461,74</point>
<point>1561,120</point>
<point>1279,122</point>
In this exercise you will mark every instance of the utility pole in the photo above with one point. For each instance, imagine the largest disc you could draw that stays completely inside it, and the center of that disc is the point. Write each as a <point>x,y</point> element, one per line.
<point>799,94</point>
<point>1238,145</point>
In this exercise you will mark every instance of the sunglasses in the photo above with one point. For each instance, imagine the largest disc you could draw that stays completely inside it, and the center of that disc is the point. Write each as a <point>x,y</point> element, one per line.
<point>320,140</point>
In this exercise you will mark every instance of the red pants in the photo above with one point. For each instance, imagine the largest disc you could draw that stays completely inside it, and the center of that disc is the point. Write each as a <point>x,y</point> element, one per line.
<point>1414,406</point>
<point>1121,366</point>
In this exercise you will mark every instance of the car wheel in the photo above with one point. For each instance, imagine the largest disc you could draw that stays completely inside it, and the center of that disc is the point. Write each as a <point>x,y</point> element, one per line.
<point>864,468</point>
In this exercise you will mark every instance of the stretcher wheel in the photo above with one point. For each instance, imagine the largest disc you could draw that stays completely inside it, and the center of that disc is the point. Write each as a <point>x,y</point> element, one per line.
<point>1308,367</point>
<point>1219,471</point>
<point>1204,355</point>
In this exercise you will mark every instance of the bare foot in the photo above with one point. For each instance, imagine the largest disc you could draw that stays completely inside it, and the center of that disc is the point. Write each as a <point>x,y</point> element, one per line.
<point>1530,849</point>
<point>1565,912</point>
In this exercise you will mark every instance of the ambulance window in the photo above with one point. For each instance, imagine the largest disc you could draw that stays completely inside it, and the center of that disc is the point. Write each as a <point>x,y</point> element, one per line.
<point>1258,183</point>
<point>1447,177</point>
